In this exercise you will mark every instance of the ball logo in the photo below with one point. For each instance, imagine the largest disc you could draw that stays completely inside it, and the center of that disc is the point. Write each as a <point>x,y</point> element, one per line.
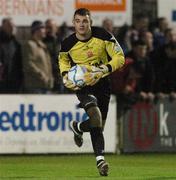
<point>143,125</point>
<point>89,54</point>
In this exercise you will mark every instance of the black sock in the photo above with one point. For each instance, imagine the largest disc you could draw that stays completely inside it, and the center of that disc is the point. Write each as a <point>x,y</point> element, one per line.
<point>97,141</point>
<point>85,126</point>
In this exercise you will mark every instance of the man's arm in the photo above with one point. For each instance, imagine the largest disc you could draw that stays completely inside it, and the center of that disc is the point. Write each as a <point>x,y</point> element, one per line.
<point>64,66</point>
<point>116,54</point>
<point>64,63</point>
<point>116,62</point>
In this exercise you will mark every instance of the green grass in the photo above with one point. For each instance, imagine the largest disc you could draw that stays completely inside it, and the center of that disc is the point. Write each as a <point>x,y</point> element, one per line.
<point>80,167</point>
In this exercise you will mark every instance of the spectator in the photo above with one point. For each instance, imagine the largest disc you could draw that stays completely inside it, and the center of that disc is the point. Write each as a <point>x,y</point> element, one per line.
<point>170,35</point>
<point>141,70</point>
<point>141,23</point>
<point>11,76</point>
<point>123,38</point>
<point>37,66</point>
<point>165,70</point>
<point>63,32</point>
<point>147,37</point>
<point>53,46</point>
<point>122,85</point>
<point>120,79</point>
<point>159,32</point>
<point>108,25</point>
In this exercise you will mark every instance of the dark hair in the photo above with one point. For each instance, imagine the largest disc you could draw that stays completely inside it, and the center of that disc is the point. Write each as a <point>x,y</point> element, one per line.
<point>82,12</point>
<point>7,19</point>
<point>36,25</point>
<point>122,33</point>
<point>138,43</point>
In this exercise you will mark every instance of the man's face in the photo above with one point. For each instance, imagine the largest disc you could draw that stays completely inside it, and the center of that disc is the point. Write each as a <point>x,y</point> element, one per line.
<point>108,25</point>
<point>41,33</point>
<point>82,24</point>
<point>51,27</point>
<point>172,36</point>
<point>8,27</point>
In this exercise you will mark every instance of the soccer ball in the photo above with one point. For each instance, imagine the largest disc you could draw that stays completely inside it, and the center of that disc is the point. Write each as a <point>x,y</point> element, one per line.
<point>76,75</point>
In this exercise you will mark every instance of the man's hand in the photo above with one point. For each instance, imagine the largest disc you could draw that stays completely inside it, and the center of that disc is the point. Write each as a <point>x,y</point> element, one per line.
<point>96,73</point>
<point>68,84</point>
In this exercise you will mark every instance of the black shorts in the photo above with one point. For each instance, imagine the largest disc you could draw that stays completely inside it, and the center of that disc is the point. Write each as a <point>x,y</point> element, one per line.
<point>97,95</point>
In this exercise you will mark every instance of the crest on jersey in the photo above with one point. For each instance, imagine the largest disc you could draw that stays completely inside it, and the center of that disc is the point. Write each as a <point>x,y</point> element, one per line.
<point>117,47</point>
<point>89,54</point>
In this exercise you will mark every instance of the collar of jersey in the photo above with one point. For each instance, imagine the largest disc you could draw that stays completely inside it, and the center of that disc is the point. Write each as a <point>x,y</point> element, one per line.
<point>86,40</point>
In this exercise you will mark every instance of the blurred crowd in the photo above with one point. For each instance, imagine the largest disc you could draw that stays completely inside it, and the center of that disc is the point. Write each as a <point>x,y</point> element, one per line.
<point>150,70</point>
<point>31,66</point>
<point>149,47</point>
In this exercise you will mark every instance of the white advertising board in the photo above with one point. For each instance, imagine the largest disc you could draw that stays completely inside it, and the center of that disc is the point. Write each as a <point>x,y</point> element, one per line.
<point>24,12</point>
<point>40,124</point>
<point>167,9</point>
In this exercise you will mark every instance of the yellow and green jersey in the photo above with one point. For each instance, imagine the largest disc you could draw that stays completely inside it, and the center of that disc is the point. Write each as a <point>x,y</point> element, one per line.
<point>100,48</point>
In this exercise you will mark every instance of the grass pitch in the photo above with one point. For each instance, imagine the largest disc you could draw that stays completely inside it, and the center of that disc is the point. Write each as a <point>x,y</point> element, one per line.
<point>80,167</point>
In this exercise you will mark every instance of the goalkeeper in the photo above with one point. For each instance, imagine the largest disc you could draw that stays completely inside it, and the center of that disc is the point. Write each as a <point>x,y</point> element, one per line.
<point>99,51</point>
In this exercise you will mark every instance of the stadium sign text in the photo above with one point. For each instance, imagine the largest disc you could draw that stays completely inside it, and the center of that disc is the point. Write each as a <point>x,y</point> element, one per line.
<point>31,7</point>
<point>40,124</point>
<point>24,12</point>
<point>28,119</point>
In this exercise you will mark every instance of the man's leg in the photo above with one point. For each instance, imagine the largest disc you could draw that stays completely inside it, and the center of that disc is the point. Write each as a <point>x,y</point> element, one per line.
<point>86,101</point>
<point>97,138</point>
<point>77,133</point>
<point>94,126</point>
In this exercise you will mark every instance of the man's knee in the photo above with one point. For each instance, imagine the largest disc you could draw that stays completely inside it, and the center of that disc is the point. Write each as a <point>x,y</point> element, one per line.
<point>95,116</point>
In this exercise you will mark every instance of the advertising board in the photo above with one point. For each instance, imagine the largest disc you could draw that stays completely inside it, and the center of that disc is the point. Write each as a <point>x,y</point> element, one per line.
<point>24,12</point>
<point>150,127</point>
<point>40,124</point>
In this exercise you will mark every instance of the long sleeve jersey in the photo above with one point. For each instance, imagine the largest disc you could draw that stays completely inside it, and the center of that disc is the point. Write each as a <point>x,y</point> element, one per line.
<point>100,48</point>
